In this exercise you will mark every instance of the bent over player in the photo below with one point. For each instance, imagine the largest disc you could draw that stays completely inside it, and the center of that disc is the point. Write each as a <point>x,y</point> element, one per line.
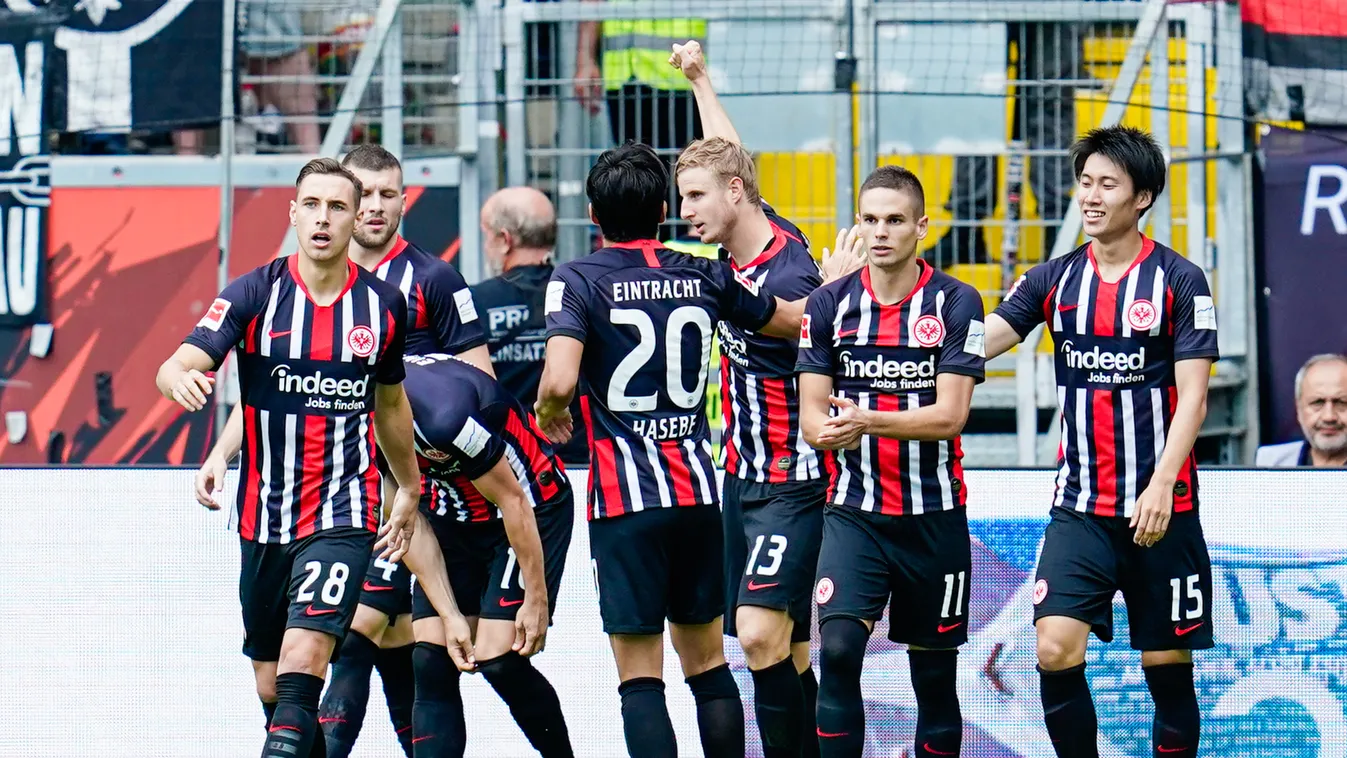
<point>319,343</point>
<point>634,320</point>
<point>1134,327</point>
<point>503,521</point>
<point>896,349</point>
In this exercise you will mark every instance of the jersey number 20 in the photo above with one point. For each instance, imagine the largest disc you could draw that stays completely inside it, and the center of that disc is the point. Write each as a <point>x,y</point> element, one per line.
<point>679,319</point>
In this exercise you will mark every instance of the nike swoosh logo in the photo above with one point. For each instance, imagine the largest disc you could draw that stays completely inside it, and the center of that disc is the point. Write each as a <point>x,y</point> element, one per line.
<point>332,721</point>
<point>374,587</point>
<point>822,733</point>
<point>311,611</point>
<point>927,747</point>
<point>1064,308</point>
<point>1181,632</point>
<point>752,585</point>
<point>1164,749</point>
<point>941,630</point>
<point>507,603</point>
<point>274,335</point>
<point>846,333</point>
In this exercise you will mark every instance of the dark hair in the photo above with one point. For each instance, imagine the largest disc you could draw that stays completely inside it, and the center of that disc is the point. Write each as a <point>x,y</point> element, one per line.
<point>627,189</point>
<point>329,167</point>
<point>1132,150</point>
<point>371,158</point>
<point>898,179</point>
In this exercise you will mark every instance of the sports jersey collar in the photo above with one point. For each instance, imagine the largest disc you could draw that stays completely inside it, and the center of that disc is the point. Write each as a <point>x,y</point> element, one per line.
<point>1147,245</point>
<point>922,279</point>
<point>397,248</point>
<point>293,266</point>
<point>647,247</point>
<point>777,244</point>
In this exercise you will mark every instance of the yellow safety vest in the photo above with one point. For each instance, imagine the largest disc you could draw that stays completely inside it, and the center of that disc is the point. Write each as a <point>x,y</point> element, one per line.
<point>638,51</point>
<point>698,249</point>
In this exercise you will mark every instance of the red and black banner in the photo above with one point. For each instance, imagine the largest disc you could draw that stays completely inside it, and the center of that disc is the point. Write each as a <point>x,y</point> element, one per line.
<point>1295,54</point>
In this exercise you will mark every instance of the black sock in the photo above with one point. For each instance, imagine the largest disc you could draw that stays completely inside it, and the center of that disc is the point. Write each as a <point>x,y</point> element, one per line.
<point>395,670</point>
<point>841,712</point>
<point>269,710</point>
<point>779,705</point>
<point>532,701</point>
<point>720,712</point>
<point>934,682</point>
<point>1178,721</point>
<point>1068,711</point>
<point>343,709</point>
<point>809,747</point>
<point>645,719</point>
<point>438,727</point>
<point>294,725</point>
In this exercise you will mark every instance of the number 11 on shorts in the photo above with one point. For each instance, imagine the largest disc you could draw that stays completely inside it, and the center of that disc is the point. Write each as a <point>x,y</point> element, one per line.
<point>952,597</point>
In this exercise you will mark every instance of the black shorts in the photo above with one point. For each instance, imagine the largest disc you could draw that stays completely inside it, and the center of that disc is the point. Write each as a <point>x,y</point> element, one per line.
<point>781,526</point>
<point>312,583</point>
<point>924,563</point>
<point>387,588</point>
<point>482,568</point>
<point>1087,559</point>
<point>657,564</point>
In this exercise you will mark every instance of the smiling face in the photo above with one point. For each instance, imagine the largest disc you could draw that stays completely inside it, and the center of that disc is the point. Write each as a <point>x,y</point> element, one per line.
<point>1110,206</point>
<point>381,206</point>
<point>323,215</point>
<point>892,224</point>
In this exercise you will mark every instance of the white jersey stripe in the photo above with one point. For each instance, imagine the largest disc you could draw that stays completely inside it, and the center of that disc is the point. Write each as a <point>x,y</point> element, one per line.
<point>347,323</point>
<point>837,320</point>
<point>326,509</point>
<point>1083,445</point>
<point>844,471</point>
<point>1083,314</point>
<point>755,431</point>
<point>1158,421</point>
<point>863,328</point>
<point>265,468</point>
<point>521,471</point>
<point>867,466</point>
<point>697,468</point>
<point>1158,300</point>
<point>288,466</point>
<point>1129,296</point>
<point>270,318</point>
<point>914,477</point>
<point>296,338</point>
<point>1063,470</point>
<point>1129,462</point>
<point>374,325</point>
<point>661,483</point>
<point>1057,325</point>
<point>406,284</point>
<point>635,502</point>
<point>914,314</point>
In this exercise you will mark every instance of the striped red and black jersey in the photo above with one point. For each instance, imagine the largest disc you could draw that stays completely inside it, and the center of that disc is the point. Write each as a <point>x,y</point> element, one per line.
<point>645,315</point>
<point>886,358</point>
<point>441,316</point>
<point>759,392</point>
<point>306,378</point>
<point>465,424</point>
<point>1116,344</point>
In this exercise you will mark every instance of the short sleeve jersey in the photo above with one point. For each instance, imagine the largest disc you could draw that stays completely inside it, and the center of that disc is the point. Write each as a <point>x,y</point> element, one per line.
<point>887,358</point>
<point>646,315</point>
<point>306,376</point>
<point>1116,344</point>
<point>441,316</point>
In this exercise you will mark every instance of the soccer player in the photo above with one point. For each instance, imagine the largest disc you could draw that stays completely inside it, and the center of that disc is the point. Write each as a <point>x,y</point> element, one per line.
<point>634,321</point>
<point>895,349</point>
<point>441,318</point>
<point>319,343</point>
<point>1134,328</point>
<point>504,528</point>
<point>774,486</point>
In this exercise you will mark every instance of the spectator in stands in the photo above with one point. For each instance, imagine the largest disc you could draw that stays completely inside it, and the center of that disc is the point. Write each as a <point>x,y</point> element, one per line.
<point>1045,118</point>
<point>1321,409</point>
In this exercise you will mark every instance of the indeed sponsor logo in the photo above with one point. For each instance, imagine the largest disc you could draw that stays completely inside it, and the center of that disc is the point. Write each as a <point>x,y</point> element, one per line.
<point>885,373</point>
<point>732,346</point>
<point>1100,361</point>
<point>331,394</point>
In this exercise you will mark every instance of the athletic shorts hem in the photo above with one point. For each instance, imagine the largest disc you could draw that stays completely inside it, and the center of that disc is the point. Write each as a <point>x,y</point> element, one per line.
<point>771,605</point>
<point>314,626</point>
<point>1143,646</point>
<point>633,629</point>
<point>696,620</point>
<point>1095,627</point>
<point>393,609</point>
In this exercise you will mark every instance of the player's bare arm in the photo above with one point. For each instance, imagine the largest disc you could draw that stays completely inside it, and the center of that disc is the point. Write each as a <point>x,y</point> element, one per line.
<point>425,560</point>
<point>556,388</point>
<point>500,486</point>
<point>1001,336</point>
<point>209,482</point>
<point>689,59</point>
<point>1155,506</point>
<point>815,403</point>
<point>941,420</point>
<point>182,378</point>
<point>479,357</point>
<point>393,434</point>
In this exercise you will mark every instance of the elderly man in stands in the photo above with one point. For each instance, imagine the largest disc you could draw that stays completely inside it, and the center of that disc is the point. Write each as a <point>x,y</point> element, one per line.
<point>1321,409</point>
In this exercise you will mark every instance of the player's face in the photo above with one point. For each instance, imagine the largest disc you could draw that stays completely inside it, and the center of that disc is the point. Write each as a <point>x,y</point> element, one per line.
<point>1322,408</point>
<point>380,207</point>
<point>1109,204</point>
<point>892,225</point>
<point>708,205</point>
<point>324,216</point>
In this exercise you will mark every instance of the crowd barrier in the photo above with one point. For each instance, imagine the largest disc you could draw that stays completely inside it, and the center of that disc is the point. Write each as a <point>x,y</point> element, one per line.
<point>121,630</point>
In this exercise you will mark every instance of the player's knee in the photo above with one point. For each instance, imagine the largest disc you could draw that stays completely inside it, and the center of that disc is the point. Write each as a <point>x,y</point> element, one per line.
<point>842,648</point>
<point>305,651</point>
<point>266,691</point>
<point>435,672</point>
<point>700,648</point>
<point>764,635</point>
<point>1058,653</point>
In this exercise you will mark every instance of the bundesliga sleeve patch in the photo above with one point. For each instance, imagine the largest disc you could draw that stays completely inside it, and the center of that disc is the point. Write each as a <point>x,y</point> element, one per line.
<point>976,342</point>
<point>215,315</point>
<point>1204,312</point>
<point>806,340</point>
<point>467,310</point>
<point>555,291</point>
<point>472,438</point>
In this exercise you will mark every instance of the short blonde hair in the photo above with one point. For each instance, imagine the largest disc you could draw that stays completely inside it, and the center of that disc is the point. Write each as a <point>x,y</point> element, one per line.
<point>725,160</point>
